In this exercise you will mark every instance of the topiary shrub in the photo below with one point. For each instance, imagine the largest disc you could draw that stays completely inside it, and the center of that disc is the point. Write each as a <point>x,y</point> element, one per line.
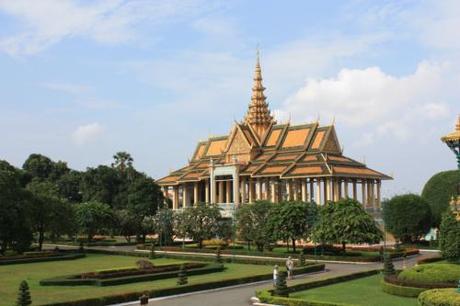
<point>182,276</point>
<point>152,251</point>
<point>439,297</point>
<point>388,267</point>
<point>438,191</point>
<point>24,298</point>
<point>219,255</point>
<point>432,273</point>
<point>302,259</point>
<point>449,237</point>
<point>281,288</point>
<point>143,264</point>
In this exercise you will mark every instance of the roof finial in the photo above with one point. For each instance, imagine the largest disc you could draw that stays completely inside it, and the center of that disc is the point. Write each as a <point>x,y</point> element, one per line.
<point>457,126</point>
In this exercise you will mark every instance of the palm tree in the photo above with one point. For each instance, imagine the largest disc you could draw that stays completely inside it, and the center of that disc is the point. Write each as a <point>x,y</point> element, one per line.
<point>122,161</point>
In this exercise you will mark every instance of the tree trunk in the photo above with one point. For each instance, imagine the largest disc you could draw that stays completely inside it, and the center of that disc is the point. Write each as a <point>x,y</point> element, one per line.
<point>249,245</point>
<point>344,247</point>
<point>293,245</point>
<point>200,243</point>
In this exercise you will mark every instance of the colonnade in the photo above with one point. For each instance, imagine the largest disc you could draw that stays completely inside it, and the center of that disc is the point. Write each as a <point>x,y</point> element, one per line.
<point>319,189</point>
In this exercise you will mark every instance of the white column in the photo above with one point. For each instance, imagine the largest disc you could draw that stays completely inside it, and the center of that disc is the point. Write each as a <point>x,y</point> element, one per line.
<point>304,189</point>
<point>363,190</point>
<point>345,187</point>
<point>243,190</point>
<point>318,191</point>
<point>355,190</point>
<point>379,203</point>
<point>228,191</point>
<point>221,191</point>
<point>212,181</point>
<point>195,193</point>
<point>184,195</point>
<point>236,189</point>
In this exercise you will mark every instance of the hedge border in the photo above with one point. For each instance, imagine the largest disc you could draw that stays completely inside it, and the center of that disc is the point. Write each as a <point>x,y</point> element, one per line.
<point>372,258</point>
<point>70,281</point>
<point>41,259</point>
<point>429,260</point>
<point>132,296</point>
<point>405,283</point>
<point>267,297</point>
<point>399,290</point>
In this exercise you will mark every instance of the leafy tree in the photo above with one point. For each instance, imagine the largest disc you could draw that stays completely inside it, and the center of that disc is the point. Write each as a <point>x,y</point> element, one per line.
<point>15,226</point>
<point>449,237</point>
<point>180,225</point>
<point>45,209</point>
<point>202,222</point>
<point>24,298</point>
<point>100,184</point>
<point>69,186</point>
<point>225,229</point>
<point>251,222</point>
<point>292,220</point>
<point>438,191</point>
<point>164,226</point>
<point>144,199</point>
<point>344,222</point>
<point>93,217</point>
<point>407,217</point>
<point>125,223</point>
<point>219,255</point>
<point>42,167</point>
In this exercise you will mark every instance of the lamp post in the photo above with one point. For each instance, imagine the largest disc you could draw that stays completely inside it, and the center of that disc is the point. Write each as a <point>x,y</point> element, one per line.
<point>452,140</point>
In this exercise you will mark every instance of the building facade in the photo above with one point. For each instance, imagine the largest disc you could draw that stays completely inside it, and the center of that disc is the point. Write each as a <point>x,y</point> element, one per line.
<point>263,160</point>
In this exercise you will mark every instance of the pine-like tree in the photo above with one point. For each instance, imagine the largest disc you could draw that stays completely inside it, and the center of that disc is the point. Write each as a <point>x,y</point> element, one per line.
<point>219,255</point>
<point>449,237</point>
<point>281,288</point>
<point>24,298</point>
<point>388,267</point>
<point>302,259</point>
<point>182,276</point>
<point>152,251</point>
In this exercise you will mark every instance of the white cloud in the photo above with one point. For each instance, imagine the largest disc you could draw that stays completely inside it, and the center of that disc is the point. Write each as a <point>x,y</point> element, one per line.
<point>88,133</point>
<point>383,103</point>
<point>47,22</point>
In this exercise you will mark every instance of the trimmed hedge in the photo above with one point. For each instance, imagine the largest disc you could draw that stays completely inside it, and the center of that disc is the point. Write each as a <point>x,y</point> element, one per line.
<point>267,297</point>
<point>429,260</point>
<point>355,256</point>
<point>33,259</point>
<point>439,297</point>
<point>438,275</point>
<point>75,280</point>
<point>400,290</point>
<point>132,296</point>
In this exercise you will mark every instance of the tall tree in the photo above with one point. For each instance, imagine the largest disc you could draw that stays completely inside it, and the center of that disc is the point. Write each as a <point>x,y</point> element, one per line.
<point>15,225</point>
<point>292,220</point>
<point>100,184</point>
<point>69,186</point>
<point>202,222</point>
<point>344,222</point>
<point>144,199</point>
<point>407,217</point>
<point>93,217</point>
<point>42,167</point>
<point>122,161</point>
<point>252,225</point>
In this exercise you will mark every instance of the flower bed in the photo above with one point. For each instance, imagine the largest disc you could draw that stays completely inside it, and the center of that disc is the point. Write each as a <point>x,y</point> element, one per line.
<point>130,275</point>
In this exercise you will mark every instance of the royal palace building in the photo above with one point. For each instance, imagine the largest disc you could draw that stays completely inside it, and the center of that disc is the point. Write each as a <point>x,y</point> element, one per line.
<point>263,160</point>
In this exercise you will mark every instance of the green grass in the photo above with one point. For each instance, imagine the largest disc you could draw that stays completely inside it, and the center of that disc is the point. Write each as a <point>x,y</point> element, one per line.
<point>432,273</point>
<point>364,291</point>
<point>12,275</point>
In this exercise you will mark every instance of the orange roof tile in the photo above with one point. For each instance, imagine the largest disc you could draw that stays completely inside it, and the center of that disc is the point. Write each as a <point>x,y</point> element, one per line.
<point>354,170</point>
<point>284,157</point>
<point>318,138</point>
<point>306,170</point>
<point>337,158</point>
<point>310,158</point>
<point>200,151</point>
<point>273,139</point>
<point>296,138</point>
<point>216,147</point>
<point>275,169</point>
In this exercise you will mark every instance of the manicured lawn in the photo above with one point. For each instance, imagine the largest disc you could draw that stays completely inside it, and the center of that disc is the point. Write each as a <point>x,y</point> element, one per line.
<point>12,275</point>
<point>363,291</point>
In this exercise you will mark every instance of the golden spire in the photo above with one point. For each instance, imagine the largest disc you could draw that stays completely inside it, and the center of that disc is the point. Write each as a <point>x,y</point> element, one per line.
<point>455,135</point>
<point>258,115</point>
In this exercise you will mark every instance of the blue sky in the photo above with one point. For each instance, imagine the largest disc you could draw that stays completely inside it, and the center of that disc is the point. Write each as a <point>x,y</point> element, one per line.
<point>81,80</point>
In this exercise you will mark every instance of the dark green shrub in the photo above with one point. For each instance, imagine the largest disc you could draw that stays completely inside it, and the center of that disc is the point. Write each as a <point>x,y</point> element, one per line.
<point>407,217</point>
<point>24,298</point>
<point>152,251</point>
<point>301,259</point>
<point>182,276</point>
<point>432,274</point>
<point>219,255</point>
<point>281,288</point>
<point>438,191</point>
<point>439,297</point>
<point>449,237</point>
<point>388,267</point>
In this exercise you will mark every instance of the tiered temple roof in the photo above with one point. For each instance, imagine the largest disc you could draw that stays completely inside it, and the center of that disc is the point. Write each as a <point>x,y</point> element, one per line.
<point>263,148</point>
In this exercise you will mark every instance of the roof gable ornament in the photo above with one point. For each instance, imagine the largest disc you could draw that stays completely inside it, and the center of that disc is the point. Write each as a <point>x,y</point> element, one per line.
<point>258,116</point>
